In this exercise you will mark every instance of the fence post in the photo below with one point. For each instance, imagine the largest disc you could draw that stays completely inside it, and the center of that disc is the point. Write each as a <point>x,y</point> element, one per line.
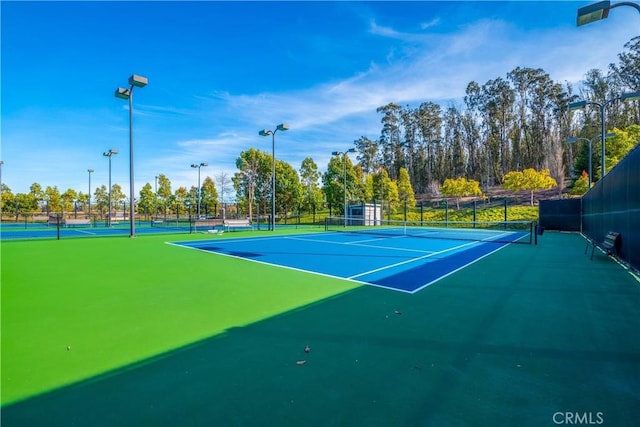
<point>505,212</point>
<point>446,212</point>
<point>475,205</point>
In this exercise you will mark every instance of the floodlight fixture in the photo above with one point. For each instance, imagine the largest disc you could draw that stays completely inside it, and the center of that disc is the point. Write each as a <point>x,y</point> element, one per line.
<point>138,81</point>
<point>122,93</point>
<point>598,11</point>
<point>631,96</point>
<point>577,105</point>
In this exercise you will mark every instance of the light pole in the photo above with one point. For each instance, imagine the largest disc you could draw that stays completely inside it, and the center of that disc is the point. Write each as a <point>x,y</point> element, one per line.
<point>90,172</point>
<point>573,140</point>
<point>134,81</point>
<point>266,132</point>
<point>344,164</point>
<point>199,166</point>
<point>597,11</point>
<point>601,105</point>
<point>155,199</point>
<point>109,154</point>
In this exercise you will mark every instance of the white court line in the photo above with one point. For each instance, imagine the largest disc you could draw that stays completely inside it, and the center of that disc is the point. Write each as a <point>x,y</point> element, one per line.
<point>86,232</point>
<point>317,273</point>
<point>364,246</point>
<point>458,269</point>
<point>412,260</point>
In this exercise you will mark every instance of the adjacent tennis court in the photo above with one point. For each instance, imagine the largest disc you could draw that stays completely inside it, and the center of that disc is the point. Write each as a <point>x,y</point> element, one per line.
<point>393,255</point>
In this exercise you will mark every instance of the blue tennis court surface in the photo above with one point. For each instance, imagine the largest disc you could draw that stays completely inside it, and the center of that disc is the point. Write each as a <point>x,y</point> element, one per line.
<point>401,263</point>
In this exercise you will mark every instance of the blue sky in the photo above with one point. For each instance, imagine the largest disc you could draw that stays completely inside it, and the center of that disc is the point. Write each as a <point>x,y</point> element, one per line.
<point>221,71</point>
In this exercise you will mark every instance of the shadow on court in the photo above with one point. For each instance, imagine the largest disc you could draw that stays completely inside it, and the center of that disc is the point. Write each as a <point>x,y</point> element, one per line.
<point>513,339</point>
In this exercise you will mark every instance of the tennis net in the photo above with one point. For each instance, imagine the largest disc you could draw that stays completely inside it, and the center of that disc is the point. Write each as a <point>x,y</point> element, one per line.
<point>182,224</point>
<point>485,231</point>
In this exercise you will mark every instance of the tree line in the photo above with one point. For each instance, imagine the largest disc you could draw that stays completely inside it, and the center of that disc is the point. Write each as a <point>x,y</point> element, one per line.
<point>507,125</point>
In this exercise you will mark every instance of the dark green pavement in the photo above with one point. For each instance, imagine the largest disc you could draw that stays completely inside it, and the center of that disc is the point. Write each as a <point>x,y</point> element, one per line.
<point>524,337</point>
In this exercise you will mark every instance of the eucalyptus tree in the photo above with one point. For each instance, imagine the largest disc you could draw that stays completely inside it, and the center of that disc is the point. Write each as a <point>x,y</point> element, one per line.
<point>626,77</point>
<point>390,139</point>
<point>455,155</point>
<point>368,154</point>
<point>499,98</point>
<point>476,165</point>
<point>524,80</point>
<point>428,118</point>
<point>627,72</point>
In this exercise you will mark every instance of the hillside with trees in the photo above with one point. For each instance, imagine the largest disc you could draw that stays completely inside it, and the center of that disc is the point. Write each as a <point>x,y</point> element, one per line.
<point>509,132</point>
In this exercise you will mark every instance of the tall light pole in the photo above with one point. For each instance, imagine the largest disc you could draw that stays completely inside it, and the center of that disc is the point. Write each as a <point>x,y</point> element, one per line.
<point>109,154</point>
<point>134,81</point>
<point>344,164</point>
<point>597,11</point>
<point>199,166</point>
<point>633,96</point>
<point>90,172</point>
<point>266,132</point>
<point>573,140</point>
<point>155,199</point>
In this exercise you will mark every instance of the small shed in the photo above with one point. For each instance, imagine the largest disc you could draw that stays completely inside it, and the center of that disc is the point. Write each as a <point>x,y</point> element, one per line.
<point>364,214</point>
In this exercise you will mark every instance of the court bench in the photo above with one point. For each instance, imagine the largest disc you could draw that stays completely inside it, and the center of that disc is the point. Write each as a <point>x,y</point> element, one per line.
<point>208,223</point>
<point>609,244</point>
<point>230,224</point>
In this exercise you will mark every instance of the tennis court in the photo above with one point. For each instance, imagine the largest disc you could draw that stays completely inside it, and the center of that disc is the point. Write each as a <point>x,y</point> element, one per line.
<point>400,257</point>
<point>162,335</point>
<point>15,231</point>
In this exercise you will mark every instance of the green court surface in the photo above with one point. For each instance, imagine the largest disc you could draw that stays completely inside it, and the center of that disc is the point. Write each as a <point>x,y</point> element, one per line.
<point>163,335</point>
